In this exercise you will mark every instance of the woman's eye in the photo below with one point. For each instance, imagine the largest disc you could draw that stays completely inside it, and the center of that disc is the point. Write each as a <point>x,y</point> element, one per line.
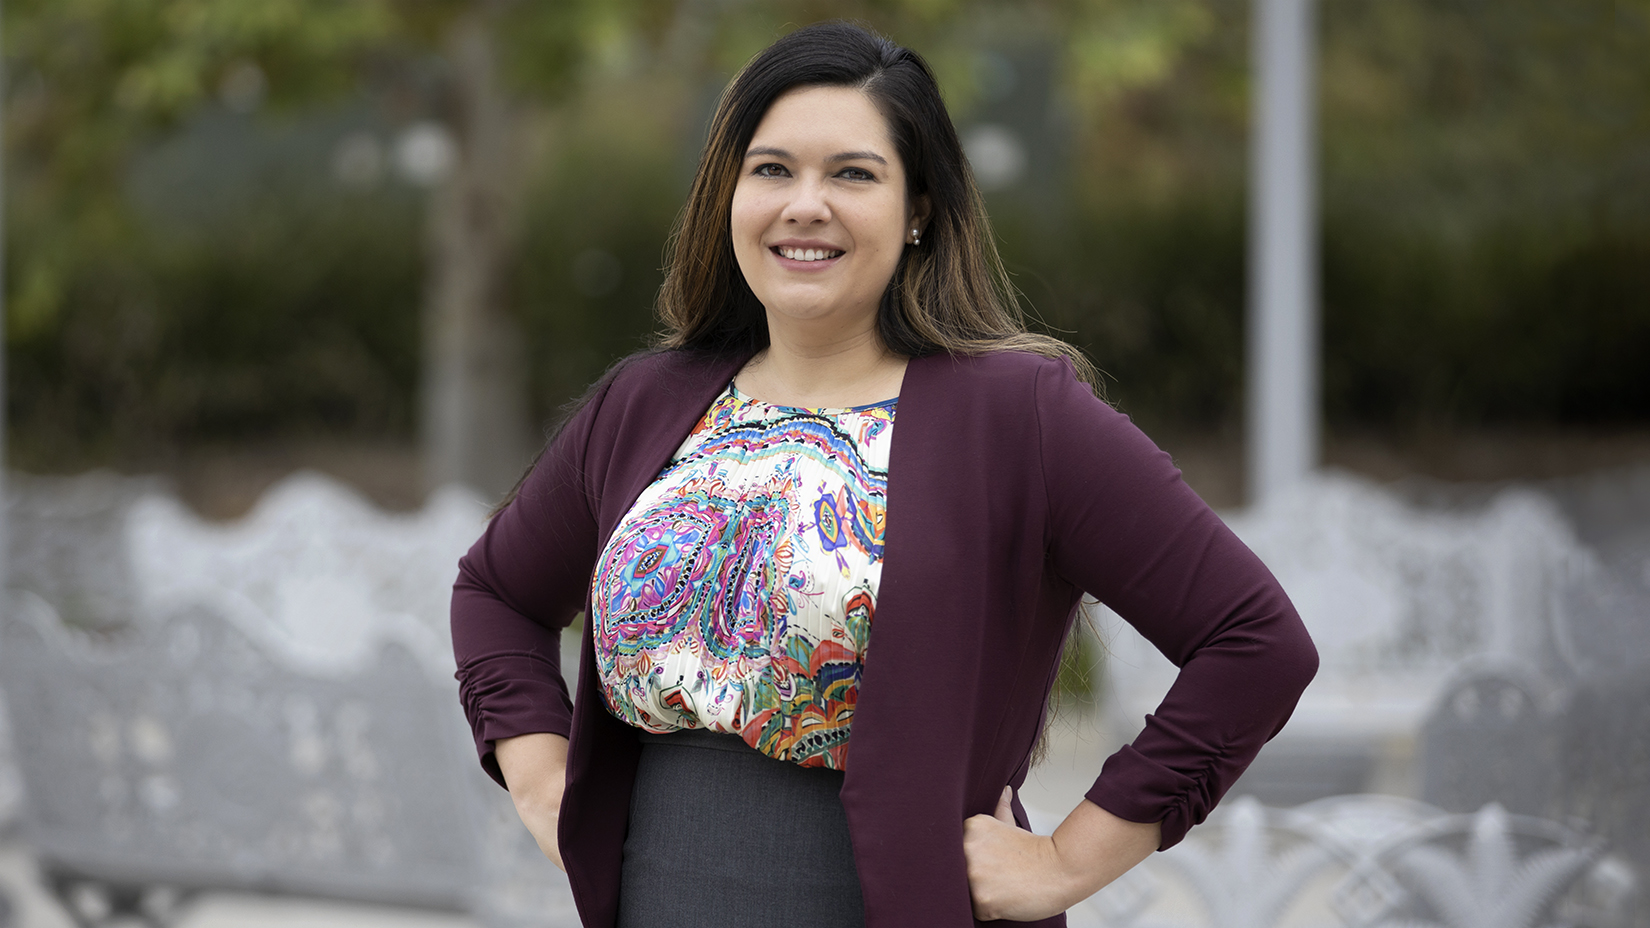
<point>770,170</point>
<point>857,174</point>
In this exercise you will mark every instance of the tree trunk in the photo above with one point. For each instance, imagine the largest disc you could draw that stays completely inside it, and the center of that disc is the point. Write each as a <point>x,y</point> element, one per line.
<point>475,427</point>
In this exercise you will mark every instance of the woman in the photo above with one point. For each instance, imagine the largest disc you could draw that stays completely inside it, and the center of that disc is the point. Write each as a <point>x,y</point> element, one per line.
<point>831,538</point>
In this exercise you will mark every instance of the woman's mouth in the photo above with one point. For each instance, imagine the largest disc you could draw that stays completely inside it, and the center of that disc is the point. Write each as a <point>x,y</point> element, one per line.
<point>806,254</point>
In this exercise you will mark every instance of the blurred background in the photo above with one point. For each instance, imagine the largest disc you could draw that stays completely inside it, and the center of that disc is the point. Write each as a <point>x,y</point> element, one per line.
<point>232,238</point>
<point>251,244</point>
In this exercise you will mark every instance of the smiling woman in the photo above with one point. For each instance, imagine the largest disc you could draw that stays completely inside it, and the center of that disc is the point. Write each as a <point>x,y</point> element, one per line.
<point>821,217</point>
<point>830,535</point>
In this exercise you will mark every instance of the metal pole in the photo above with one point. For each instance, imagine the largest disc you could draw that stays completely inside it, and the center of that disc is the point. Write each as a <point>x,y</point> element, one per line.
<point>1282,373</point>
<point>5,509</point>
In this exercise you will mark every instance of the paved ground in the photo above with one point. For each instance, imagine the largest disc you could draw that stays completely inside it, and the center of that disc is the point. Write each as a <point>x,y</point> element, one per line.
<point>33,907</point>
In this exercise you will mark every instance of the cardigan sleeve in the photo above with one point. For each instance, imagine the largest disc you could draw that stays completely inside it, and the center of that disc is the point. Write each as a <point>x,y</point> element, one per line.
<point>520,584</point>
<point>1126,529</point>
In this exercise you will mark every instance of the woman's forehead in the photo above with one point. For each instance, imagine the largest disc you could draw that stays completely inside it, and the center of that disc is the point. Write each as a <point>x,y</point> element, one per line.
<point>824,121</point>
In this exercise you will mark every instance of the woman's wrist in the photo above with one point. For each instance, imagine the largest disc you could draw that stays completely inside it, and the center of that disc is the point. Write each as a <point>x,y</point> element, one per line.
<point>535,771</point>
<point>1016,875</point>
<point>534,767</point>
<point>1093,847</point>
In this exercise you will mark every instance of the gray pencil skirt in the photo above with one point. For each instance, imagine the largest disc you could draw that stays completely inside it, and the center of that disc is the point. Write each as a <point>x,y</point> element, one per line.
<point>723,836</point>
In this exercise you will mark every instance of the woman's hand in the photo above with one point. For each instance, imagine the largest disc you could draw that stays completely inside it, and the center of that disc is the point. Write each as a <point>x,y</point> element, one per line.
<point>1012,873</point>
<point>1019,876</point>
<point>535,768</point>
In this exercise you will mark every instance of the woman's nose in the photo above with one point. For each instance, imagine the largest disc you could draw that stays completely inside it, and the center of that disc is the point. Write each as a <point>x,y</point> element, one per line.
<point>808,204</point>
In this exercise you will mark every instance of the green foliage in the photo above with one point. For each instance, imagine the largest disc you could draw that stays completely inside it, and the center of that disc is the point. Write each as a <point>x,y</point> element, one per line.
<point>1485,211</point>
<point>129,333</point>
<point>1117,47</point>
<point>1522,325</point>
<point>301,319</point>
<point>117,338</point>
<point>591,254</point>
<point>91,79</point>
<point>1483,191</point>
<point>1484,219</point>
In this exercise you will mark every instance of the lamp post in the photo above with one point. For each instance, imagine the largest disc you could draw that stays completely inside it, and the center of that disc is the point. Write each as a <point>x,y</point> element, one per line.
<point>5,533</point>
<point>1282,364</point>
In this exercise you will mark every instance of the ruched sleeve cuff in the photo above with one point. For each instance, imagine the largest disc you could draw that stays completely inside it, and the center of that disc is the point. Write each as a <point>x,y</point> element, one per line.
<point>1137,789</point>
<point>509,695</point>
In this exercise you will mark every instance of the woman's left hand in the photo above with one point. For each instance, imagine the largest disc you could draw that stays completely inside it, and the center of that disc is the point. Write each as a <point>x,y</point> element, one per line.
<point>1016,875</point>
<point>1012,873</point>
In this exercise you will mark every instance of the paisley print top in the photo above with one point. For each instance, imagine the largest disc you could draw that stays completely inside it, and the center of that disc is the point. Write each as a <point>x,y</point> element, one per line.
<point>738,592</point>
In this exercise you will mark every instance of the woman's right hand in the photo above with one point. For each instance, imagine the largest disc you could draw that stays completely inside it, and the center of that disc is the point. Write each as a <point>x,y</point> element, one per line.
<point>535,769</point>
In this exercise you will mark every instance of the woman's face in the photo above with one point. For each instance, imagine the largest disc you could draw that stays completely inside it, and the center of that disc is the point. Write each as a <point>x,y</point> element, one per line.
<point>820,216</point>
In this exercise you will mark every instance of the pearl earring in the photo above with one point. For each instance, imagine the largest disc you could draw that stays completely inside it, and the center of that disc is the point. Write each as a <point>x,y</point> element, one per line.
<point>916,236</point>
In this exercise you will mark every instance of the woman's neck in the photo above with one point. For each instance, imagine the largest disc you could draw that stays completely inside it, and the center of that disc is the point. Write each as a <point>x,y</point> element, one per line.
<point>853,371</point>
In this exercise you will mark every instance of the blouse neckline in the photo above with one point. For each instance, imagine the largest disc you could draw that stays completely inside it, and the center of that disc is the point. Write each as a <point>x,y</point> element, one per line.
<point>811,410</point>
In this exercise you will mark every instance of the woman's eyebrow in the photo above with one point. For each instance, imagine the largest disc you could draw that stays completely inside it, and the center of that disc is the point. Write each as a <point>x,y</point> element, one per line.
<point>768,152</point>
<point>858,156</point>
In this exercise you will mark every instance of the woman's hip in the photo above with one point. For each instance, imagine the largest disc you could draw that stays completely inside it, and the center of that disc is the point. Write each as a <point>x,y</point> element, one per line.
<point>722,835</point>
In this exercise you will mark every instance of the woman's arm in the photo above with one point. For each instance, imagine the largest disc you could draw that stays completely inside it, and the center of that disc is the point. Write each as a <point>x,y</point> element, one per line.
<point>518,586</point>
<point>1019,876</point>
<point>535,772</point>
<point>1124,527</point>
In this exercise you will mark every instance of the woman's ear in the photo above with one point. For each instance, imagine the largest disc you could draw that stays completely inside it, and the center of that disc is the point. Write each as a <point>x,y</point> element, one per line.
<point>921,210</point>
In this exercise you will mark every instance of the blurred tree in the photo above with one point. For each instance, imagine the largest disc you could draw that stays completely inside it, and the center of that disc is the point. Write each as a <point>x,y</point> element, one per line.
<point>1485,223</point>
<point>102,77</point>
<point>90,82</point>
<point>91,79</point>
<point>1484,204</point>
<point>1487,211</point>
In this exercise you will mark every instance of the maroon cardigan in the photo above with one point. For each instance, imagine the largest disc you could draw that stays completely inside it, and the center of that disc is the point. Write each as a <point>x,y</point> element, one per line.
<point>1011,491</point>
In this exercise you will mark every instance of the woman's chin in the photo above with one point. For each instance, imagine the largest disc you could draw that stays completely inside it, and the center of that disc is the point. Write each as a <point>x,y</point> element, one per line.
<point>818,315</point>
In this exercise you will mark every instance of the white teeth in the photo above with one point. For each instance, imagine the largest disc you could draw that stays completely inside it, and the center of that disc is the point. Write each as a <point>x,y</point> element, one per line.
<point>807,254</point>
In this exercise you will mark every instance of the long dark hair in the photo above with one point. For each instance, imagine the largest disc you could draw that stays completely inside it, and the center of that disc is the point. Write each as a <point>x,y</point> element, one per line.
<point>949,294</point>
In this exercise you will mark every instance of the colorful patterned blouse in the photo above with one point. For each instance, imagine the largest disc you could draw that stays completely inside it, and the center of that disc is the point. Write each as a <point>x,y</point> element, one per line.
<point>737,594</point>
